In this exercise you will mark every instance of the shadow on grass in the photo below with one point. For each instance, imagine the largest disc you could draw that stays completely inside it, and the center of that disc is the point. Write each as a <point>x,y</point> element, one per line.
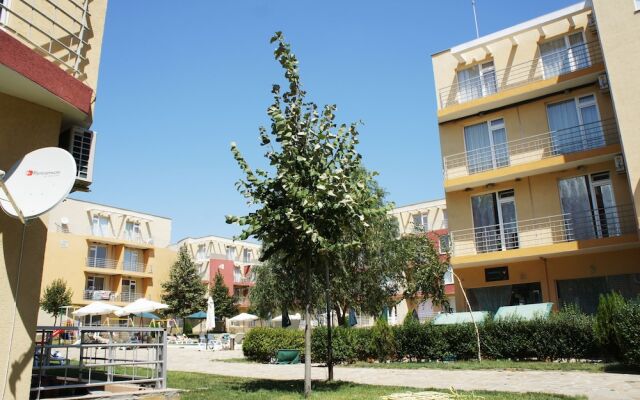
<point>618,368</point>
<point>293,386</point>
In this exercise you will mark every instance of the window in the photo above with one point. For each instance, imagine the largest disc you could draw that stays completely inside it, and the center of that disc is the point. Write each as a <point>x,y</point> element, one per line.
<point>486,146</point>
<point>476,81</point>
<point>589,208</point>
<point>95,283</point>
<point>100,226</point>
<point>444,244</point>
<point>247,255</point>
<point>231,253</point>
<point>492,298</point>
<point>202,252</point>
<point>448,276</point>
<point>636,3</point>
<point>585,292</point>
<point>132,231</point>
<point>129,290</point>
<point>133,260</point>
<point>237,274</point>
<point>97,256</point>
<point>494,221</point>
<point>563,55</point>
<point>3,13</point>
<point>420,223</point>
<point>575,125</point>
<point>496,274</point>
<point>445,219</point>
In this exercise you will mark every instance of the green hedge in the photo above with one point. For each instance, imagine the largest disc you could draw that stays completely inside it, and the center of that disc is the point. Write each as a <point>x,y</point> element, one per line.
<point>568,334</point>
<point>628,333</point>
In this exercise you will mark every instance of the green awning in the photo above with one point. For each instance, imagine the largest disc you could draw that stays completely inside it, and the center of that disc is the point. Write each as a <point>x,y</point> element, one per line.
<point>524,312</point>
<point>460,318</point>
<point>197,315</point>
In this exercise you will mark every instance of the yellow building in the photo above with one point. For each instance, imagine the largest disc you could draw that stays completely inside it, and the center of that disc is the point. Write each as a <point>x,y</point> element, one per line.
<point>540,207</point>
<point>106,253</point>
<point>49,59</point>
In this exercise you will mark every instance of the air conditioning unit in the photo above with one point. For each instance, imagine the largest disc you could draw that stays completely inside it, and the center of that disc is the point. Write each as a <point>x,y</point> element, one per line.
<point>81,143</point>
<point>619,162</point>
<point>603,82</point>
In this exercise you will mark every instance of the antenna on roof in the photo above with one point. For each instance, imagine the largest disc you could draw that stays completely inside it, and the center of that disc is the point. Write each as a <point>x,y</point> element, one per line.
<point>475,17</point>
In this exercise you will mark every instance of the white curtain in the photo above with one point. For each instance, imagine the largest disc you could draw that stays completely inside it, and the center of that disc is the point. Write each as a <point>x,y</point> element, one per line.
<point>563,122</point>
<point>501,150</point>
<point>574,198</point>
<point>593,135</point>
<point>469,86</point>
<point>579,54</point>
<point>478,146</point>
<point>555,58</point>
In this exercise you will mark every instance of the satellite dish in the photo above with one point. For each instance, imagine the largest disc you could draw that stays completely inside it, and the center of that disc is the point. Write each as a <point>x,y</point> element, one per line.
<point>37,183</point>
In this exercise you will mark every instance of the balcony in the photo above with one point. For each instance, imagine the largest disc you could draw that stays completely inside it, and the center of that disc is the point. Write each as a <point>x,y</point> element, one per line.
<point>531,149</point>
<point>244,280</point>
<point>512,238</point>
<point>106,263</point>
<point>132,266</point>
<point>59,30</point>
<point>128,297</point>
<point>99,295</point>
<point>542,67</point>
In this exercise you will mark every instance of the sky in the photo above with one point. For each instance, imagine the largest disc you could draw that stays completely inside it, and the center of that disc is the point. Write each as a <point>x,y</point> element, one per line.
<point>177,85</point>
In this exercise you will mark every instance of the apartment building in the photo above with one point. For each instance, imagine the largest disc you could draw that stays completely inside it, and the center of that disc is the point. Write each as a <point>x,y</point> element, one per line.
<point>540,173</point>
<point>106,253</point>
<point>428,218</point>
<point>235,260</point>
<point>49,59</point>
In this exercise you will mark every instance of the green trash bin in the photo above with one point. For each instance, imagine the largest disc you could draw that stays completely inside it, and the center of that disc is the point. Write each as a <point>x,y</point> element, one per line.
<point>288,356</point>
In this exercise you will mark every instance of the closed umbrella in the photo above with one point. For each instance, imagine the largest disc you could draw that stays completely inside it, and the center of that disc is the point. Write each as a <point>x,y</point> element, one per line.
<point>211,314</point>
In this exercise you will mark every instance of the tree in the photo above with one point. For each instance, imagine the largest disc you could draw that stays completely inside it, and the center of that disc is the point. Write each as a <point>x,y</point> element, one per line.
<point>425,269</point>
<point>224,302</point>
<point>56,296</point>
<point>314,195</point>
<point>184,292</point>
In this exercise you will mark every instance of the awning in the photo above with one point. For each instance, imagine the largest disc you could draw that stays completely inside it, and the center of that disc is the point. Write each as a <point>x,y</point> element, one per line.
<point>524,312</point>
<point>147,315</point>
<point>197,315</point>
<point>460,318</point>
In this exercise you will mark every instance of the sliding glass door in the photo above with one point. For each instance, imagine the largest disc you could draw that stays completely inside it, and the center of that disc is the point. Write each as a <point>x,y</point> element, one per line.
<point>494,221</point>
<point>563,55</point>
<point>575,125</point>
<point>486,146</point>
<point>589,207</point>
<point>476,82</point>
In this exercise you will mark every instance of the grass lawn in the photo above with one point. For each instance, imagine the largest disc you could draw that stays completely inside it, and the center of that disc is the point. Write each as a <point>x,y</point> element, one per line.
<point>494,364</point>
<point>204,386</point>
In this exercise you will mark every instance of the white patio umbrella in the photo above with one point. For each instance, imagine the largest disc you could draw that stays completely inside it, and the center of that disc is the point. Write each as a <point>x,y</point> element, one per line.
<point>294,316</point>
<point>211,314</point>
<point>244,317</point>
<point>141,306</point>
<point>97,308</point>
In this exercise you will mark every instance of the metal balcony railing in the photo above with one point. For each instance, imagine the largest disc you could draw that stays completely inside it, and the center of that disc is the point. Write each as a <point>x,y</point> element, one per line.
<point>128,297</point>
<point>103,295</point>
<point>57,29</point>
<point>533,148</point>
<point>96,262</point>
<point>541,67</point>
<point>133,266</point>
<point>70,358</point>
<point>243,279</point>
<point>582,225</point>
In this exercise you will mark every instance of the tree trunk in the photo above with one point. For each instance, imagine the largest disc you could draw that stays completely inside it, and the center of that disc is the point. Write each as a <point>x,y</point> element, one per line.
<point>329,344</point>
<point>307,334</point>
<point>340,316</point>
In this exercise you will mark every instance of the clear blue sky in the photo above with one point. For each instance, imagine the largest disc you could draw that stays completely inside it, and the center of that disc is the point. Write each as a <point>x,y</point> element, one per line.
<point>181,80</point>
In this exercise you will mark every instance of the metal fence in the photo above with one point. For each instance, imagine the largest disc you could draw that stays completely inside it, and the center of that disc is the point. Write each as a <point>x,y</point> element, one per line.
<point>568,227</point>
<point>562,62</point>
<point>72,360</point>
<point>533,148</point>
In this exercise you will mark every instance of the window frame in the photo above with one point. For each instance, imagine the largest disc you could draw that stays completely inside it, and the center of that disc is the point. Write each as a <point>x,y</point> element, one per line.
<point>574,66</point>
<point>492,144</point>
<point>483,70</point>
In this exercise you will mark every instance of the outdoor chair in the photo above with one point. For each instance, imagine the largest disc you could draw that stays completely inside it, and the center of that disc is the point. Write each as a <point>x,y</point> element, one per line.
<point>288,356</point>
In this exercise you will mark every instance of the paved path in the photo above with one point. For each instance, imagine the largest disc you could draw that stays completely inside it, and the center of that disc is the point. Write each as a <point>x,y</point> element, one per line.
<point>594,385</point>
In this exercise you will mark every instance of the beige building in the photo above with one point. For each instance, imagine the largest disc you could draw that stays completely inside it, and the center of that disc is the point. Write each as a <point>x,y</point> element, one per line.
<point>106,253</point>
<point>235,260</point>
<point>540,168</point>
<point>49,59</point>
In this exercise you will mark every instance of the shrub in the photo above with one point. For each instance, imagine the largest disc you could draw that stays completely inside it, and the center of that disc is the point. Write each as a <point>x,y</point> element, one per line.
<point>382,344</point>
<point>187,328</point>
<point>571,333</point>
<point>627,328</point>
<point>348,344</point>
<point>261,344</point>
<point>609,307</point>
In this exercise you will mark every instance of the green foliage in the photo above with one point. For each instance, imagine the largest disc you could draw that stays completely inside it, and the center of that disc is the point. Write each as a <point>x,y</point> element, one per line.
<point>425,269</point>
<point>262,344</point>
<point>609,308</point>
<point>187,328</point>
<point>225,303</point>
<point>56,296</point>
<point>627,328</point>
<point>382,340</point>
<point>184,292</point>
<point>565,335</point>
